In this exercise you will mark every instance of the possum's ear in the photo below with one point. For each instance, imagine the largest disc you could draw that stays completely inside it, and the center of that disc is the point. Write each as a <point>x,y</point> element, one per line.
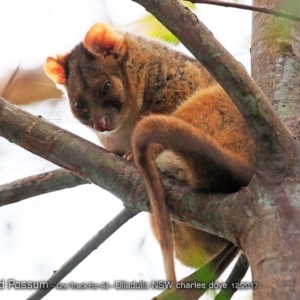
<point>54,68</point>
<point>102,40</point>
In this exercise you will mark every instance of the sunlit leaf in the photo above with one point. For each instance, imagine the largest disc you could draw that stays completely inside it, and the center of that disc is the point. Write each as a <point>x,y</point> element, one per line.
<point>155,29</point>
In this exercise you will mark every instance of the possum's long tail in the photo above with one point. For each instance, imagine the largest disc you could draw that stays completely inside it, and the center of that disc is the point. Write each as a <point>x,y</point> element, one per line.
<point>162,219</point>
<point>180,136</point>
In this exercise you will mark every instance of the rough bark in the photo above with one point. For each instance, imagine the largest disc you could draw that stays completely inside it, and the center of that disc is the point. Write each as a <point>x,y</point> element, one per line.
<point>276,68</point>
<point>275,65</point>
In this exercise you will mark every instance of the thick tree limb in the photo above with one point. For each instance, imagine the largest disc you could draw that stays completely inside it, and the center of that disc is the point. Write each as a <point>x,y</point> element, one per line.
<point>264,10</point>
<point>275,64</point>
<point>125,215</point>
<point>209,212</point>
<point>38,184</point>
<point>276,149</point>
<point>69,151</point>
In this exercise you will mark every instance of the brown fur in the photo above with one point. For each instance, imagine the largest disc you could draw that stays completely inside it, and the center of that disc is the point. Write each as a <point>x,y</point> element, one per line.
<point>209,137</point>
<point>138,93</point>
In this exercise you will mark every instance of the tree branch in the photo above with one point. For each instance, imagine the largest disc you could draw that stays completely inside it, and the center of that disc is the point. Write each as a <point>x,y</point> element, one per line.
<point>38,184</point>
<point>273,12</point>
<point>125,215</point>
<point>222,214</point>
<point>272,139</point>
<point>235,277</point>
<point>210,272</point>
<point>275,52</point>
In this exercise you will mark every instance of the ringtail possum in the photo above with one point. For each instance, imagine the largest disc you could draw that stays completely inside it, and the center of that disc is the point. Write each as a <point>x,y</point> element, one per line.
<point>161,107</point>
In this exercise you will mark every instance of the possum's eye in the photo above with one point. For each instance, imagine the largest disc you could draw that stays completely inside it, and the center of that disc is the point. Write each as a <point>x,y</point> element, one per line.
<point>77,105</point>
<point>106,88</point>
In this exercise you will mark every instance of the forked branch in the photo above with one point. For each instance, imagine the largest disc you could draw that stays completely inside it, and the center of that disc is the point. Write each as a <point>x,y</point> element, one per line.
<point>272,139</point>
<point>107,170</point>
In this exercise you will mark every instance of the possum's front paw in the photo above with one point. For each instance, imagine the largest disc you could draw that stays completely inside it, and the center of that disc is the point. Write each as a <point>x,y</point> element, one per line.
<point>128,156</point>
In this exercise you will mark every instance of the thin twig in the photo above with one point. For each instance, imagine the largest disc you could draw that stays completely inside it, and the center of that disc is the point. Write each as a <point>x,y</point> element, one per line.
<point>38,184</point>
<point>204,276</point>
<point>249,7</point>
<point>125,215</point>
<point>235,277</point>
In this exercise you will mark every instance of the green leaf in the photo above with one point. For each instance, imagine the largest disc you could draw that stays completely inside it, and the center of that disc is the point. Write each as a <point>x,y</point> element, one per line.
<point>155,29</point>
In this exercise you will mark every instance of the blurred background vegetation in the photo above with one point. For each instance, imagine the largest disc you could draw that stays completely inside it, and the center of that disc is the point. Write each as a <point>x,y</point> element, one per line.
<point>33,25</point>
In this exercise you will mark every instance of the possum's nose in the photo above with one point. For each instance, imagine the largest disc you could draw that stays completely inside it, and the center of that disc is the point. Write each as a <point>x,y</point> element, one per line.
<point>102,124</point>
